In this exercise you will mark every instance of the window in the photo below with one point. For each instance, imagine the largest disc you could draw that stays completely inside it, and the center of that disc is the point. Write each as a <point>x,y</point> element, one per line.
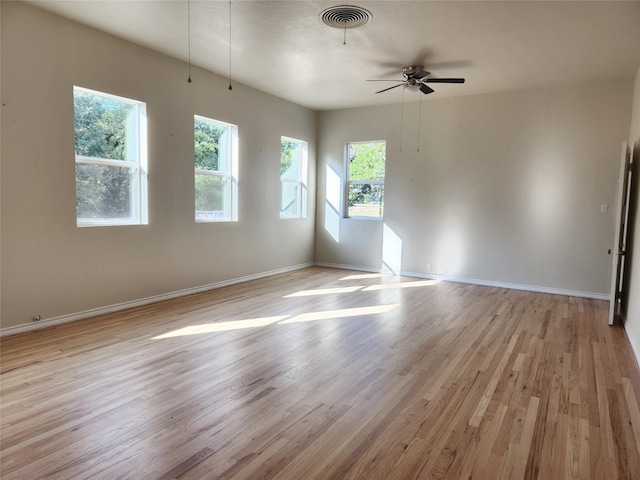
<point>216,170</point>
<point>293,178</point>
<point>365,173</point>
<point>111,159</point>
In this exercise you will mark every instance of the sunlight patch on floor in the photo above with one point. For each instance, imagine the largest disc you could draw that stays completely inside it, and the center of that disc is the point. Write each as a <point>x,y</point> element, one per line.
<point>323,291</point>
<point>360,276</point>
<point>390,286</point>
<point>221,326</point>
<point>345,312</point>
<point>280,320</point>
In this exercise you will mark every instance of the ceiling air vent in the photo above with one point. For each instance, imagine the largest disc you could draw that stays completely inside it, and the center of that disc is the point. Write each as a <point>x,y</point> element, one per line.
<point>345,16</point>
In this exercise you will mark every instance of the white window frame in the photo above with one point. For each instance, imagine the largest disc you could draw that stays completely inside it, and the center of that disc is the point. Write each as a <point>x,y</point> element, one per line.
<point>302,155</point>
<point>348,183</point>
<point>136,138</point>
<point>228,146</point>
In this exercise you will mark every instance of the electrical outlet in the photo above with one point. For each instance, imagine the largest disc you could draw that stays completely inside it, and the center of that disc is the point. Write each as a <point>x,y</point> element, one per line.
<point>36,318</point>
<point>428,267</point>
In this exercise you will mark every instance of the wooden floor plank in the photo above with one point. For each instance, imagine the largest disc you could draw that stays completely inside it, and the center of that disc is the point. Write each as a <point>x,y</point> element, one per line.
<point>326,374</point>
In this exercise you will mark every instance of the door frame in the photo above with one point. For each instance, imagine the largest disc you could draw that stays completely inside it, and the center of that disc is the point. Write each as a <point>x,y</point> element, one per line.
<point>620,237</point>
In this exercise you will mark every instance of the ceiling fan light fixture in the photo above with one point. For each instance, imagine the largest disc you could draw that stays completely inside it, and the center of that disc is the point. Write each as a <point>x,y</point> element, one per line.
<point>412,87</point>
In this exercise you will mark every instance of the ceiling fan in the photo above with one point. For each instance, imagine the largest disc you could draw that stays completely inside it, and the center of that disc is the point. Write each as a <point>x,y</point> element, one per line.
<point>416,79</point>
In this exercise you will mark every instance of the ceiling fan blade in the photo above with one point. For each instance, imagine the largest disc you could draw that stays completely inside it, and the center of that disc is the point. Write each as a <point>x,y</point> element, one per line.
<point>447,65</point>
<point>443,80</point>
<point>395,86</point>
<point>422,56</point>
<point>389,68</point>
<point>399,81</point>
<point>420,74</point>
<point>426,89</point>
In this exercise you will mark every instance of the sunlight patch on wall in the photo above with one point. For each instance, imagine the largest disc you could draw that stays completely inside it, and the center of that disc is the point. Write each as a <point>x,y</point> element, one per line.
<point>547,187</point>
<point>451,247</point>
<point>391,251</point>
<point>332,204</point>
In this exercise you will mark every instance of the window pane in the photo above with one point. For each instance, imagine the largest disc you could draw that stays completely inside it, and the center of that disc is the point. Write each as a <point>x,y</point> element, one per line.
<point>109,131</point>
<point>211,149</point>
<point>289,199</point>
<point>103,192</point>
<point>101,126</point>
<point>365,200</point>
<point>366,160</point>
<point>215,149</point>
<point>293,178</point>
<point>290,160</point>
<point>212,197</point>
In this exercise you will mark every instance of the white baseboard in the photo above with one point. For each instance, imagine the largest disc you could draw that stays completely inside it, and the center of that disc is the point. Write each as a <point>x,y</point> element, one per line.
<point>49,322</point>
<point>512,286</point>
<point>475,281</point>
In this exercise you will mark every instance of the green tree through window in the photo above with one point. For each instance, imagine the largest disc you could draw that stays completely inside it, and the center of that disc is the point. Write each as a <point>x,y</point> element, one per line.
<point>207,137</point>
<point>293,178</point>
<point>365,186</point>
<point>108,164</point>
<point>287,149</point>
<point>214,182</point>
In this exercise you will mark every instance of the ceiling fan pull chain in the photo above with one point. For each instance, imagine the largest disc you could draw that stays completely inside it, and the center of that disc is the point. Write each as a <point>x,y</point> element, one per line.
<point>230,87</point>
<point>189,36</point>
<point>401,118</point>
<point>419,122</point>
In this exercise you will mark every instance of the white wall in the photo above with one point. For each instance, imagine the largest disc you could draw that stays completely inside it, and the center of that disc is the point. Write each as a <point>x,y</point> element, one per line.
<point>52,268</point>
<point>505,187</point>
<point>632,312</point>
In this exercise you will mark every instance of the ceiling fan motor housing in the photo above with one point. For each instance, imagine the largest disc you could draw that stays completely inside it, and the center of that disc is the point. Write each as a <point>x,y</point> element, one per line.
<point>412,70</point>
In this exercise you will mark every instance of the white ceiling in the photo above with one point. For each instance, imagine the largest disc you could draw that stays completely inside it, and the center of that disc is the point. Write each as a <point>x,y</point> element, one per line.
<point>283,48</point>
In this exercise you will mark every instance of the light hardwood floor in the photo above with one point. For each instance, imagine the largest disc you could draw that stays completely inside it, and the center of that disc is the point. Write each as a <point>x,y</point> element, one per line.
<point>327,374</point>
